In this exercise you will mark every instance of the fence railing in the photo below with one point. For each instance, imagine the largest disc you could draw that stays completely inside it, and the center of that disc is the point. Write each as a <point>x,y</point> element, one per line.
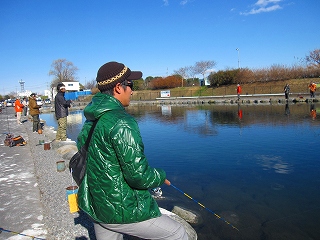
<point>75,95</point>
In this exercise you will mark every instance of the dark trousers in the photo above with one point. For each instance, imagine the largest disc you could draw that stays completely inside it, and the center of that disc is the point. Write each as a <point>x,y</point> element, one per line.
<point>312,94</point>
<point>36,122</point>
<point>286,95</point>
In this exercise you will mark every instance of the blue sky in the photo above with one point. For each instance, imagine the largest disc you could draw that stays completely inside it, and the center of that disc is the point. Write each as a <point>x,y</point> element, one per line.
<point>154,36</point>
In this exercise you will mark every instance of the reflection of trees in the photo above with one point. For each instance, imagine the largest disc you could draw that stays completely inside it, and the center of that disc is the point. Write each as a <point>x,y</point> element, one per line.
<point>192,119</point>
<point>228,117</point>
<point>224,114</point>
<point>260,114</point>
<point>199,122</point>
<point>140,112</point>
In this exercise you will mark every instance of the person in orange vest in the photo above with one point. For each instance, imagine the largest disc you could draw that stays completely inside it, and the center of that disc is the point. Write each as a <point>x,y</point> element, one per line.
<point>313,87</point>
<point>18,107</point>
<point>239,90</point>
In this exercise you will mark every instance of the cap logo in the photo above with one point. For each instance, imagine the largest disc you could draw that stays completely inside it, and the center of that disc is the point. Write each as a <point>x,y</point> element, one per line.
<point>115,78</point>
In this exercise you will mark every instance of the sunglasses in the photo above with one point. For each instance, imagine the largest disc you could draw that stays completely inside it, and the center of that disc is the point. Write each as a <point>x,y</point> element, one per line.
<point>129,84</point>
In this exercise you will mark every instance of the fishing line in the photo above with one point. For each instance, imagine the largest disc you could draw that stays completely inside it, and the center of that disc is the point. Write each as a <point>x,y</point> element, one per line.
<point>21,234</point>
<point>209,210</point>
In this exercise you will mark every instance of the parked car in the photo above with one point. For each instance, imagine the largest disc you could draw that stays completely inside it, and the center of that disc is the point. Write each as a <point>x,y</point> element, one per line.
<point>47,101</point>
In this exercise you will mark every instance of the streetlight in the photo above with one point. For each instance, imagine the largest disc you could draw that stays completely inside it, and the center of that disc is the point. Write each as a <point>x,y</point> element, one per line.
<point>238,57</point>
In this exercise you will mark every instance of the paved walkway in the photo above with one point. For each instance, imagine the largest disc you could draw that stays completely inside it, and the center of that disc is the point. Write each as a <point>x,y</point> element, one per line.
<point>20,206</point>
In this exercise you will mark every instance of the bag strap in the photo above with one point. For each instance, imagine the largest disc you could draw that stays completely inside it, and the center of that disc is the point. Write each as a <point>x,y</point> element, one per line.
<point>86,145</point>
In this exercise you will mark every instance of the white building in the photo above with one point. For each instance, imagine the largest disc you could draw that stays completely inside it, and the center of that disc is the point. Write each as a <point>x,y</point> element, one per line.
<point>48,93</point>
<point>206,81</point>
<point>72,86</point>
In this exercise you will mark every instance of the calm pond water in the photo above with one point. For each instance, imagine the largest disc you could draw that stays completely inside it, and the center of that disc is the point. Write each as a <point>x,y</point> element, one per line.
<point>257,166</point>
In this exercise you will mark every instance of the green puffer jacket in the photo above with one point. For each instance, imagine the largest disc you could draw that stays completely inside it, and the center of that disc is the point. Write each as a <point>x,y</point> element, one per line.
<point>118,176</point>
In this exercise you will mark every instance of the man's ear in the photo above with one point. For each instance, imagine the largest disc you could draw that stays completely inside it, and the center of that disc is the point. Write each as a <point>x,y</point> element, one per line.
<point>117,89</point>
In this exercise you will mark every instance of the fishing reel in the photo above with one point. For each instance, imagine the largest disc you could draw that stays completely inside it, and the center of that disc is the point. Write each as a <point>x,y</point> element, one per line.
<point>156,192</point>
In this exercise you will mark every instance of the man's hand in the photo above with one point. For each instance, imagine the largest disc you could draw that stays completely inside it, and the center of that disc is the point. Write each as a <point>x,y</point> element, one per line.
<point>167,182</point>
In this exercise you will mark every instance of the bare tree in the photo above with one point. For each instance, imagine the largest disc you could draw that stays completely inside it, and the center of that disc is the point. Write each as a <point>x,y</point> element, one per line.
<point>183,72</point>
<point>91,84</point>
<point>314,58</point>
<point>203,66</point>
<point>193,71</point>
<point>63,71</point>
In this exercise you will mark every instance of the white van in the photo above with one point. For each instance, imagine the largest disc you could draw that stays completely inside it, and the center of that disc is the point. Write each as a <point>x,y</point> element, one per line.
<point>10,103</point>
<point>39,101</point>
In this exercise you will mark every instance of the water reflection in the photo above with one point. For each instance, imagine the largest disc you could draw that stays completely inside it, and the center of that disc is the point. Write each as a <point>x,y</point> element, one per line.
<point>75,118</point>
<point>166,110</point>
<point>240,113</point>
<point>313,112</point>
<point>264,180</point>
<point>199,122</point>
<point>287,109</point>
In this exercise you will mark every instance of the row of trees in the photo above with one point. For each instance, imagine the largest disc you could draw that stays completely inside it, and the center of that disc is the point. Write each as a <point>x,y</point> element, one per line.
<point>11,95</point>
<point>274,73</point>
<point>63,70</point>
<point>183,77</point>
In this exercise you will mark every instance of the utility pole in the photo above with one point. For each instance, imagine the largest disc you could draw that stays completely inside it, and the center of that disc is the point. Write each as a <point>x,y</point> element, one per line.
<point>22,86</point>
<point>238,57</point>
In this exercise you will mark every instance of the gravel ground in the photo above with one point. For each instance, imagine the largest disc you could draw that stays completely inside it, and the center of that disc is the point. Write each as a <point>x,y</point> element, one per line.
<point>60,223</point>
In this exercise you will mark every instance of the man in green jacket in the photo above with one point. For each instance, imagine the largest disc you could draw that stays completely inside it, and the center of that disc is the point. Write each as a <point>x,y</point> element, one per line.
<point>114,191</point>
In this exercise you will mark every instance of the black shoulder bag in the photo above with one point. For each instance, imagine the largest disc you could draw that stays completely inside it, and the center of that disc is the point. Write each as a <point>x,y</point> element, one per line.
<point>77,164</point>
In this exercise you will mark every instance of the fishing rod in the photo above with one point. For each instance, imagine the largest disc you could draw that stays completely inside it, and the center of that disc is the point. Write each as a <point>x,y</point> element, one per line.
<point>209,210</point>
<point>21,234</point>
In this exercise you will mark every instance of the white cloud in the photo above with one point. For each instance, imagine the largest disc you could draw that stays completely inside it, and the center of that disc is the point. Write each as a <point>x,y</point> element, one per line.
<point>264,6</point>
<point>266,2</point>
<point>184,2</point>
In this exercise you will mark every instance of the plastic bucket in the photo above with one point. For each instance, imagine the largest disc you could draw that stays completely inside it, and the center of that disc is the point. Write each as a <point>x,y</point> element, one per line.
<point>61,166</point>
<point>71,190</point>
<point>46,146</point>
